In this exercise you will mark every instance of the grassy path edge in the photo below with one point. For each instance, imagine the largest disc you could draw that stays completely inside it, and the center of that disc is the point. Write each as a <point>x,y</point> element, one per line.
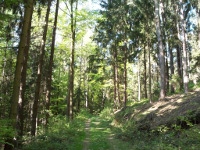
<point>87,131</point>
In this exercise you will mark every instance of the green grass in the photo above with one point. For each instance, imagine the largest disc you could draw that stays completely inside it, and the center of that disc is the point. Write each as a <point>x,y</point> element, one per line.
<point>164,140</point>
<point>61,135</point>
<point>99,133</point>
<point>103,135</point>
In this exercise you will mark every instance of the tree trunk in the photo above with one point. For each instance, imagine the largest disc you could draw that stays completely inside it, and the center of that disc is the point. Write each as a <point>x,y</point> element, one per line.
<point>19,64</point>
<point>161,51</point>
<point>23,85</point>
<point>71,71</point>
<point>118,84</point>
<point>185,66</point>
<point>167,75</point>
<point>150,97</point>
<point>139,85</point>
<point>116,78</point>
<point>171,68</point>
<point>39,74</point>
<point>85,86</point>
<point>179,57</point>
<point>50,66</point>
<point>125,75</point>
<point>198,30</point>
<point>145,74</point>
<point>114,81</point>
<point>179,65</point>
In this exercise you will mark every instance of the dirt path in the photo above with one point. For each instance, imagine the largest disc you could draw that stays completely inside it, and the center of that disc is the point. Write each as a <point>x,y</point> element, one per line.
<point>87,139</point>
<point>100,137</point>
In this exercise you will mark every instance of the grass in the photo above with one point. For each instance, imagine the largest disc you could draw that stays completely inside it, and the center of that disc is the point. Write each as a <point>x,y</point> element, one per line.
<point>124,134</point>
<point>171,125</point>
<point>70,136</point>
<point>61,135</point>
<point>102,135</point>
<point>99,132</point>
<point>161,139</point>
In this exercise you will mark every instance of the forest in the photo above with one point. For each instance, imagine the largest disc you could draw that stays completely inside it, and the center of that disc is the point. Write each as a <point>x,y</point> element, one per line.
<point>99,74</point>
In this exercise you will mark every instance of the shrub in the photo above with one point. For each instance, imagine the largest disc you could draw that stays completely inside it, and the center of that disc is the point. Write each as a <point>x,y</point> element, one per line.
<point>60,135</point>
<point>6,130</point>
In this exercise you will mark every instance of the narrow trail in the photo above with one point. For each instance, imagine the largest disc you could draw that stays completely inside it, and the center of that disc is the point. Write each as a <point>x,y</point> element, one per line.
<point>100,137</point>
<point>87,139</point>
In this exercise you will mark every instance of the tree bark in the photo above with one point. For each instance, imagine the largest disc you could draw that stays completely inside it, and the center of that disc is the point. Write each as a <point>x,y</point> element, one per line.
<point>125,75</point>
<point>23,85</point>
<point>171,68</point>
<point>118,82</point>
<point>19,64</point>
<point>161,51</point>
<point>114,80</point>
<point>118,101</point>
<point>139,85</point>
<point>167,75</point>
<point>50,66</point>
<point>71,71</point>
<point>178,49</point>
<point>198,30</point>
<point>185,65</point>
<point>145,73</point>
<point>39,74</point>
<point>179,65</point>
<point>149,57</point>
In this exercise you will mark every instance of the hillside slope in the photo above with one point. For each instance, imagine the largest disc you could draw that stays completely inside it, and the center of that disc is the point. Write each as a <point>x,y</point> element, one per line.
<point>179,109</point>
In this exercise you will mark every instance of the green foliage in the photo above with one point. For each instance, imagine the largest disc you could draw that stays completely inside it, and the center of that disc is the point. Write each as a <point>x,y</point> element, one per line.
<point>163,138</point>
<point>6,131</point>
<point>191,85</point>
<point>107,113</point>
<point>156,92</point>
<point>175,81</point>
<point>189,119</point>
<point>60,135</point>
<point>197,85</point>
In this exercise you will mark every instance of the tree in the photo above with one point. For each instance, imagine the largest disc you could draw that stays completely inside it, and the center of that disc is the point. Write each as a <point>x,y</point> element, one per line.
<point>16,86</point>
<point>21,101</point>
<point>50,65</point>
<point>145,73</point>
<point>185,57</point>
<point>161,50</point>
<point>39,73</point>
<point>70,93</point>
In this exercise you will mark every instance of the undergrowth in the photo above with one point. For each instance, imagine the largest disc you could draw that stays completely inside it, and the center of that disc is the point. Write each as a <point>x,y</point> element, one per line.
<point>61,135</point>
<point>163,137</point>
<point>6,131</point>
<point>165,140</point>
<point>102,135</point>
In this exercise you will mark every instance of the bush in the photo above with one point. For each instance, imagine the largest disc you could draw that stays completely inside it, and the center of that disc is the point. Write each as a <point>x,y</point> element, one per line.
<point>61,135</point>
<point>106,113</point>
<point>6,130</point>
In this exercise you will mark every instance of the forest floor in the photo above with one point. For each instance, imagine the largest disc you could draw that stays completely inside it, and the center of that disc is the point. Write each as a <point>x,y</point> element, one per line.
<point>99,136</point>
<point>172,124</point>
<point>179,109</point>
